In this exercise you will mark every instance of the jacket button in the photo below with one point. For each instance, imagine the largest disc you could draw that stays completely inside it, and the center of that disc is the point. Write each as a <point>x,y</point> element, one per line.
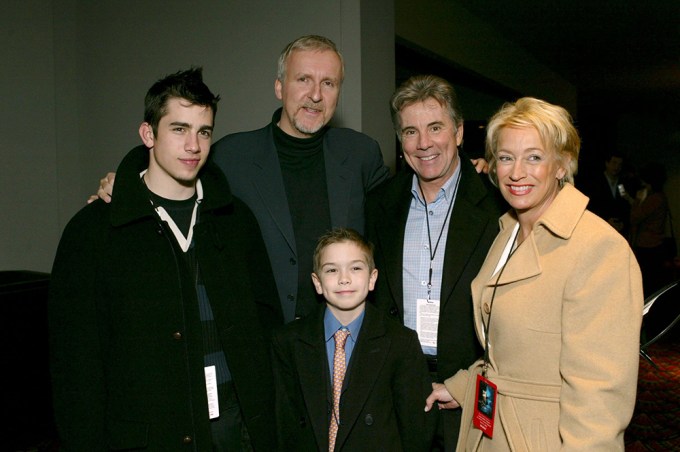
<point>302,422</point>
<point>187,439</point>
<point>393,311</point>
<point>290,297</point>
<point>368,419</point>
<point>177,335</point>
<point>487,308</point>
<point>292,261</point>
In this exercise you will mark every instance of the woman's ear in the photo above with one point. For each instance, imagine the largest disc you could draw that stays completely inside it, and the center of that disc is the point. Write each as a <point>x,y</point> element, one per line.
<point>562,170</point>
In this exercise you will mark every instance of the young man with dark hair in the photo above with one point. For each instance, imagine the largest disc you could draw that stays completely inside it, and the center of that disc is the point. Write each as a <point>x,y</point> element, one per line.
<point>159,331</point>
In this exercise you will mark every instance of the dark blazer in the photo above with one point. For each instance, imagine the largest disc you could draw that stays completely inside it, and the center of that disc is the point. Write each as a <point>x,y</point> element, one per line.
<point>603,203</point>
<point>384,393</point>
<point>125,328</point>
<point>354,165</point>
<point>472,228</point>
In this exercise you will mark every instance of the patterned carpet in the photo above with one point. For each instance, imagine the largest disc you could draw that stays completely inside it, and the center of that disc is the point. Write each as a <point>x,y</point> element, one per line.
<point>656,420</point>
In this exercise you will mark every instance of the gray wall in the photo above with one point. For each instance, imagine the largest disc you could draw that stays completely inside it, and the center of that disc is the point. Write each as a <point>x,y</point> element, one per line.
<point>75,73</point>
<point>29,222</point>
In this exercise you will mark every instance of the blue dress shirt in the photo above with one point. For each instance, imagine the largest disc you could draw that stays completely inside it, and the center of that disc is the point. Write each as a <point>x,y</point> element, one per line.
<point>416,257</point>
<point>331,325</point>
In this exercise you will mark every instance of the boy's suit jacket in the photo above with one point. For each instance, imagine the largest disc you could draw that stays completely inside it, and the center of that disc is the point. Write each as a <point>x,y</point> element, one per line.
<point>383,396</point>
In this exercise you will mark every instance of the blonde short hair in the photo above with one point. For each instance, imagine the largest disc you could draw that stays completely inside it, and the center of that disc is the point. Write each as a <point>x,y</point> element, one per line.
<point>553,124</point>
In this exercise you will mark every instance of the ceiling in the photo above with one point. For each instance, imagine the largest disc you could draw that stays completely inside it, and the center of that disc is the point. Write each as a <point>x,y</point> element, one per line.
<point>606,48</point>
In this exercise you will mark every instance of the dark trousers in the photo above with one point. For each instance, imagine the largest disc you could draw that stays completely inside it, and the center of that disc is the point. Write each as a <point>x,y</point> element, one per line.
<point>229,432</point>
<point>446,430</point>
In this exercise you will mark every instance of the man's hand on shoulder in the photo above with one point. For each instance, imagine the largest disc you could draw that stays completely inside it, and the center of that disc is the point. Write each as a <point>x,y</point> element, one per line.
<point>105,189</point>
<point>481,165</point>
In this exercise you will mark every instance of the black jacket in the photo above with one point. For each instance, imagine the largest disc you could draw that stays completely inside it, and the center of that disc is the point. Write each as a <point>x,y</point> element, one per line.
<point>384,391</point>
<point>125,331</point>
<point>250,161</point>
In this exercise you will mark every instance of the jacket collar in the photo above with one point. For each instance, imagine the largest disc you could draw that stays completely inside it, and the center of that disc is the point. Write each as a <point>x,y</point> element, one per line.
<point>561,217</point>
<point>559,221</point>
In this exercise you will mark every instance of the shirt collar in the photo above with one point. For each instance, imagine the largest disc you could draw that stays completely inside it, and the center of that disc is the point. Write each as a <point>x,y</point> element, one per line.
<point>331,325</point>
<point>447,190</point>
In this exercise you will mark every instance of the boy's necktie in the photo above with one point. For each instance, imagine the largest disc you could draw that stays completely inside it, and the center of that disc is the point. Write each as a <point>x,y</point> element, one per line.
<point>338,376</point>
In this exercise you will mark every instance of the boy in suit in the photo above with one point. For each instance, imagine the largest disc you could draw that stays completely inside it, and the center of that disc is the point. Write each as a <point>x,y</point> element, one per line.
<point>347,377</point>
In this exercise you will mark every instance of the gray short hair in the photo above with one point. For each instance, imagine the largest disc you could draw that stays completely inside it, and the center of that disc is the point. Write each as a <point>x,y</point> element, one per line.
<point>308,42</point>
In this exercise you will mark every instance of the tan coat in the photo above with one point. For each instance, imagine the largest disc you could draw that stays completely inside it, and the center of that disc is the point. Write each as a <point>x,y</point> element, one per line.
<point>564,335</point>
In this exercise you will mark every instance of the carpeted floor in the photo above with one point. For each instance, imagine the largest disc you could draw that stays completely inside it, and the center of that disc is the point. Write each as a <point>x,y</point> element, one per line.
<point>656,420</point>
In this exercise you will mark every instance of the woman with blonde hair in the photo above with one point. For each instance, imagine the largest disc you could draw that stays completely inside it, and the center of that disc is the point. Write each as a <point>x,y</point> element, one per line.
<point>557,303</point>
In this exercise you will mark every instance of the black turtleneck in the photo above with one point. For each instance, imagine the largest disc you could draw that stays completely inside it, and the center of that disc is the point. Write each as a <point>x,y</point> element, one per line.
<point>304,176</point>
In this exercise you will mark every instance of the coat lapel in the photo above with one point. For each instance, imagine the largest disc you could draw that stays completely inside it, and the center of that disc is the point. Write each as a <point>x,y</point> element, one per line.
<point>466,228</point>
<point>268,182</point>
<point>524,262</point>
<point>394,209</point>
<point>366,365</point>
<point>559,220</point>
<point>310,354</point>
<point>338,183</point>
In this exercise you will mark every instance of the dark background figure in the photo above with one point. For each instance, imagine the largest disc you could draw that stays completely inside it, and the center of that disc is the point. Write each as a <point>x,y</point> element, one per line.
<point>648,218</point>
<point>606,191</point>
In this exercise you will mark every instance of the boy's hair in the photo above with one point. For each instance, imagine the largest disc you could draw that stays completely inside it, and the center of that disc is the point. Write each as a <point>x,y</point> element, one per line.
<point>341,235</point>
<point>313,43</point>
<point>186,85</point>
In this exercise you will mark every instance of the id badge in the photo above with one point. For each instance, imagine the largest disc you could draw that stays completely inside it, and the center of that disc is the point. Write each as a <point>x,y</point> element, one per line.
<point>485,408</point>
<point>211,388</point>
<point>427,321</point>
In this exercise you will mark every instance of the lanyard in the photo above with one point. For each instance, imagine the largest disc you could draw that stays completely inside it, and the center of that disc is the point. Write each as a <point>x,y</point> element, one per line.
<point>507,253</point>
<point>184,242</point>
<point>433,251</point>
